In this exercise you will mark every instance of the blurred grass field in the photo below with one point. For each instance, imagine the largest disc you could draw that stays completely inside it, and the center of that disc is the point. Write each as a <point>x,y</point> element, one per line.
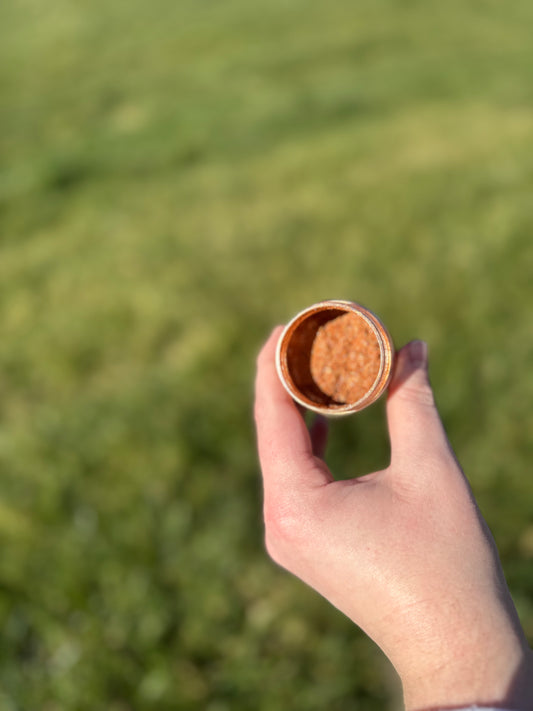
<point>177,178</point>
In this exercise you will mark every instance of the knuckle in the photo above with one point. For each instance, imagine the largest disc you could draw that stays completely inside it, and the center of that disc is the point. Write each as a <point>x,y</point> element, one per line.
<point>419,394</point>
<point>284,526</point>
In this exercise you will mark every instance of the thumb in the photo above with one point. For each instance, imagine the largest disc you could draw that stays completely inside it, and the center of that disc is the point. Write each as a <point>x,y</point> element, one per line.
<point>415,428</point>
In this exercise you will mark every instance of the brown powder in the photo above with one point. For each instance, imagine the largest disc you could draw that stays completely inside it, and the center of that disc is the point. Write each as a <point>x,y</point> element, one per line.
<point>345,358</point>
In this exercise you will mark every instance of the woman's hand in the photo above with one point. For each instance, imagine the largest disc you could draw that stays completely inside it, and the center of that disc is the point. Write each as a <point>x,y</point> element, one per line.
<point>403,552</point>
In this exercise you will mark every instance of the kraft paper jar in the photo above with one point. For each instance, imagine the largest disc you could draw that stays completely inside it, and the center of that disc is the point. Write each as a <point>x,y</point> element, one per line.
<point>335,357</point>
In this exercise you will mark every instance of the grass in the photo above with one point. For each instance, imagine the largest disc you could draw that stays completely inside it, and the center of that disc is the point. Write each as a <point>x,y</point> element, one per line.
<point>176,179</point>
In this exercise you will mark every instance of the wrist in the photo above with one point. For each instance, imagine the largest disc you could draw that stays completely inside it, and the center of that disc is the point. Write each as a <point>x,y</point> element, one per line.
<point>494,672</point>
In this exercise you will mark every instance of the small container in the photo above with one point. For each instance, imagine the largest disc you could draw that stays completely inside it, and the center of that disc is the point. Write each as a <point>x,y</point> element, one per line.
<point>335,368</point>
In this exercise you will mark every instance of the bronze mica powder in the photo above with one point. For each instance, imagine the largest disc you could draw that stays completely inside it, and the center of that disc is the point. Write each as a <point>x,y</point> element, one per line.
<point>345,358</point>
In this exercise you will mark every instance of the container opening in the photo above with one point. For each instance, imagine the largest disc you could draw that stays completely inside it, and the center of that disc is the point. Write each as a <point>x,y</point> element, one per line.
<point>298,356</point>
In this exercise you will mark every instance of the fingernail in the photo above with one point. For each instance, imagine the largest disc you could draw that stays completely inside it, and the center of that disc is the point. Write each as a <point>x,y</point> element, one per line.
<point>418,353</point>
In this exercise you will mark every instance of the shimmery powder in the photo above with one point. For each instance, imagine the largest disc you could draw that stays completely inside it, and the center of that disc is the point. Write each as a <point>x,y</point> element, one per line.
<point>345,358</point>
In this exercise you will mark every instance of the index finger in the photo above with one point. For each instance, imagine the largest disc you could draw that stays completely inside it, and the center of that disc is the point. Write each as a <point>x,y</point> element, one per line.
<point>284,443</point>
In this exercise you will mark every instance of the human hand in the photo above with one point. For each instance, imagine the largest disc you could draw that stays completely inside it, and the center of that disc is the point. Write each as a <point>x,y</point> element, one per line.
<point>403,552</point>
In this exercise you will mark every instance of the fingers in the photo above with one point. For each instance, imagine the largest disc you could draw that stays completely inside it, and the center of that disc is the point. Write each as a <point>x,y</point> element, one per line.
<point>415,428</point>
<point>284,443</point>
<point>319,431</point>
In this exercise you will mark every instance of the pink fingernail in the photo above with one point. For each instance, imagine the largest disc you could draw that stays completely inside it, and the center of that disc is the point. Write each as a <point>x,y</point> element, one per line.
<point>418,352</point>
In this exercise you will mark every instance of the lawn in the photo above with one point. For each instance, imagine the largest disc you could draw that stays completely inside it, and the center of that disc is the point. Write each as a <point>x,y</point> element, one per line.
<point>175,179</point>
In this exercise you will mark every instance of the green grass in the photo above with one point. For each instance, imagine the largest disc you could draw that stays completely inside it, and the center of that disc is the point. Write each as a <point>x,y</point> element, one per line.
<point>176,178</point>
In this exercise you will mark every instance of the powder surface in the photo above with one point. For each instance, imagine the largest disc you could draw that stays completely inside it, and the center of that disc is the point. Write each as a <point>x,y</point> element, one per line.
<point>345,358</point>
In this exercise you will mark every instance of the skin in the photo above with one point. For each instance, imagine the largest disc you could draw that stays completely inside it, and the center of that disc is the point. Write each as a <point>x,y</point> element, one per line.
<point>403,552</point>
